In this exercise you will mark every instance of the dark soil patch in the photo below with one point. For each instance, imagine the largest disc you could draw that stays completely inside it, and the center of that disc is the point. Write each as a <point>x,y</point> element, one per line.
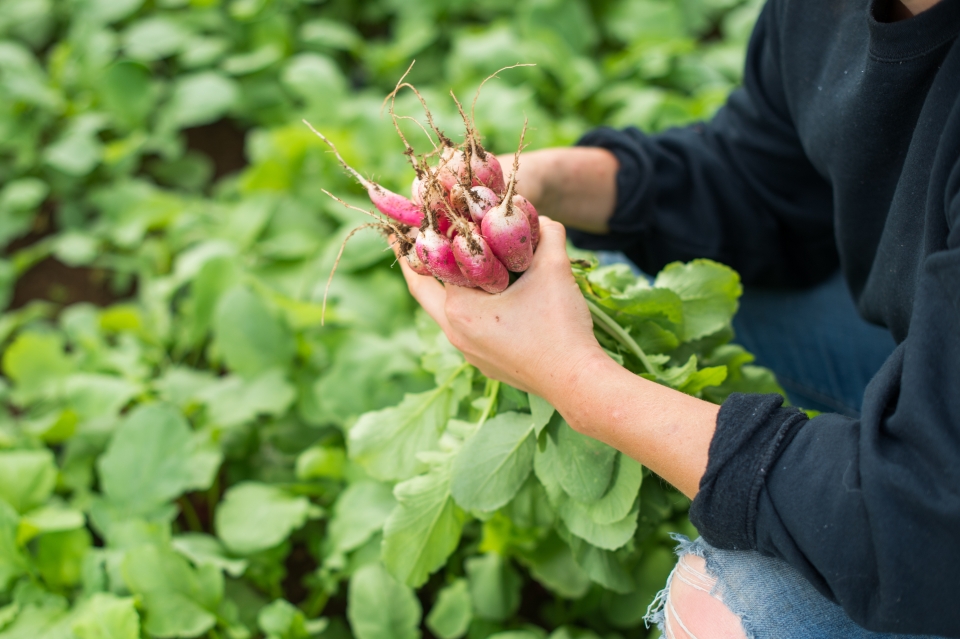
<point>56,282</point>
<point>223,142</point>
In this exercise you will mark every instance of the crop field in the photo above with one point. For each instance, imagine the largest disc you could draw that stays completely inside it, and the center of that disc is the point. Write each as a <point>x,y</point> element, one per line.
<point>188,451</point>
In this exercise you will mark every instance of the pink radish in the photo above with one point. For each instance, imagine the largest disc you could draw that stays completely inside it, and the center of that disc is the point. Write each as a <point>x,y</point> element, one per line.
<point>477,262</point>
<point>525,205</point>
<point>452,163</point>
<point>436,252</point>
<point>481,199</point>
<point>506,227</point>
<point>387,202</point>
<point>507,230</point>
<point>415,263</point>
<point>485,168</point>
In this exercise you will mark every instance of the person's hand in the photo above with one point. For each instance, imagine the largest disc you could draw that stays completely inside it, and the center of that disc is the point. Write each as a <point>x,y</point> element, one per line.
<point>535,336</point>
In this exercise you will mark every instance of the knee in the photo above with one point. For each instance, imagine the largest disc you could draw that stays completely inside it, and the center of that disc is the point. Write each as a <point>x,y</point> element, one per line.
<point>691,611</point>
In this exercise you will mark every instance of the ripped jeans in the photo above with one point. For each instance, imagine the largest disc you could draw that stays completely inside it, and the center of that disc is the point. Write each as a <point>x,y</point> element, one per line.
<point>736,594</point>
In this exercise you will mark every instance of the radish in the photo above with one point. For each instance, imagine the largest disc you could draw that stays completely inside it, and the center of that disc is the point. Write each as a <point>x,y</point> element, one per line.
<point>436,252</point>
<point>507,227</point>
<point>485,168</point>
<point>414,261</point>
<point>526,206</point>
<point>477,262</point>
<point>481,199</point>
<point>452,163</point>
<point>463,224</point>
<point>387,202</point>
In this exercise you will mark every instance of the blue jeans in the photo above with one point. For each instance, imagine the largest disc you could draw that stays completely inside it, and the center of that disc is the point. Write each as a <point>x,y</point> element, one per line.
<point>771,600</point>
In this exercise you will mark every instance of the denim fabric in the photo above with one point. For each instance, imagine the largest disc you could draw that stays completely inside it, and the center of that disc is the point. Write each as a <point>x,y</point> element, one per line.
<point>772,600</point>
<point>822,352</point>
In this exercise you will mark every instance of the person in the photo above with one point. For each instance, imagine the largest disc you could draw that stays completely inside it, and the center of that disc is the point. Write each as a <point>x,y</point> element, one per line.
<point>841,151</point>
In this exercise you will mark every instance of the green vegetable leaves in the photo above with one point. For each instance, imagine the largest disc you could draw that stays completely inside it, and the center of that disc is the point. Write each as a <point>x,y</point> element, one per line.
<point>153,457</point>
<point>424,529</point>
<point>386,442</point>
<point>709,292</point>
<point>255,517</point>
<point>493,464</point>
<point>381,607</point>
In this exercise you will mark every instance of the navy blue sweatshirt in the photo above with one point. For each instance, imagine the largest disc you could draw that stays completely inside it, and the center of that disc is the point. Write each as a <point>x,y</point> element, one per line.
<point>841,149</point>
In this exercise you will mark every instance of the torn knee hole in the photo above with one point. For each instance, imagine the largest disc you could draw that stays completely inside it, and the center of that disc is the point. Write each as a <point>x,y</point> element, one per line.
<point>691,611</point>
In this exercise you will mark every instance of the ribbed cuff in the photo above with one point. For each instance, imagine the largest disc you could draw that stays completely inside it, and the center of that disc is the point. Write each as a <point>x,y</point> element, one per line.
<point>751,432</point>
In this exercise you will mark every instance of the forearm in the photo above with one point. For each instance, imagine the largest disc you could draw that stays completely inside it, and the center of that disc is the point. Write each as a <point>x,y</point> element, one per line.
<point>575,186</point>
<point>665,430</point>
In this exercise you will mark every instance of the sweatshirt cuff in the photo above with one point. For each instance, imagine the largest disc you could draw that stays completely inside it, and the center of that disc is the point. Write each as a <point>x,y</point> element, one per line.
<point>751,431</point>
<point>634,177</point>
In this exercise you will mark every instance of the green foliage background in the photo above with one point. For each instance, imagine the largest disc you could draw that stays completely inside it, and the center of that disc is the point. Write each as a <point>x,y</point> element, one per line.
<point>173,430</point>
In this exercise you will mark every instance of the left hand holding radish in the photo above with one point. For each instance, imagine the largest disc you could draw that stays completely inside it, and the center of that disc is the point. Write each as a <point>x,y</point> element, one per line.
<point>534,336</point>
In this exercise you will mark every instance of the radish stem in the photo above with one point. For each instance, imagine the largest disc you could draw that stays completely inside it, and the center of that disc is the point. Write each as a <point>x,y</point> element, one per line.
<point>610,326</point>
<point>493,389</point>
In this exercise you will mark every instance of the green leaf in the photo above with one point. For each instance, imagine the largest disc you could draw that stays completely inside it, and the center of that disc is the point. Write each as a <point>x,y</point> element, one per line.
<point>204,550</point>
<point>282,620</point>
<point>319,462</point>
<point>709,292</point>
<point>624,490</point>
<point>542,411</point>
<point>609,536</point>
<point>153,457</point>
<point>330,33</point>
<point>254,517</point>
<point>128,91</point>
<point>179,600</point>
<point>154,38</point>
<point>601,565</point>
<point>98,396</point>
<point>36,363</point>
<point>369,372</point>
<point>232,400</point>
<point>60,556</point>
<point>628,610</point>
<point>380,607</point>
<point>106,616</point>
<point>53,517</point>
<point>78,150</point>
<point>552,564</point>
<point>494,586</point>
<point>493,464</point>
<point>423,530</point>
<point>360,511</point>
<point>386,442</point>
<point>201,98</point>
<point>451,614</point>
<point>585,464</point>
<point>12,561</point>
<point>250,338</point>
<point>27,478</point>
<point>710,376</point>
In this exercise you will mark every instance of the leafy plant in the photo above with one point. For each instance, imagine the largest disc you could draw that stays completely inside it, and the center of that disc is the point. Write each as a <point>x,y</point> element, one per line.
<point>184,450</point>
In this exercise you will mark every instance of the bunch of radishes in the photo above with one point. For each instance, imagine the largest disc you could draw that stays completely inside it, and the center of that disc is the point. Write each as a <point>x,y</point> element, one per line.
<point>464,223</point>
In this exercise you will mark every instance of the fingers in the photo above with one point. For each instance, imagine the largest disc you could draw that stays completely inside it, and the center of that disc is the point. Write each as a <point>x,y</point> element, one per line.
<point>429,292</point>
<point>553,237</point>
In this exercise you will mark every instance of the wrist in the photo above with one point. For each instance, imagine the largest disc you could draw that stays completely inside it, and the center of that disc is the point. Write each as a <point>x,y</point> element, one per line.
<point>574,392</point>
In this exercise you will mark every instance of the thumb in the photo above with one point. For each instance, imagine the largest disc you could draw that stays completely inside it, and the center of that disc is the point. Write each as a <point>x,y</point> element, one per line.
<point>553,242</point>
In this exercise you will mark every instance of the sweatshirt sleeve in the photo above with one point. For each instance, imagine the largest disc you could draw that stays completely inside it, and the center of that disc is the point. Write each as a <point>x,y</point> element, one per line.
<point>738,189</point>
<point>868,509</point>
